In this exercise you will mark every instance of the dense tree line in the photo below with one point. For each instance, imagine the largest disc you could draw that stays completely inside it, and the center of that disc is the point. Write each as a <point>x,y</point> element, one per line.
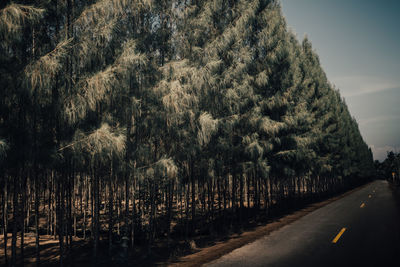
<point>389,169</point>
<point>162,120</point>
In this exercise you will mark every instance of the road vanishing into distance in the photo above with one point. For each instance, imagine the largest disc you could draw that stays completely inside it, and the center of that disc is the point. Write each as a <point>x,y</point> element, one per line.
<point>361,229</point>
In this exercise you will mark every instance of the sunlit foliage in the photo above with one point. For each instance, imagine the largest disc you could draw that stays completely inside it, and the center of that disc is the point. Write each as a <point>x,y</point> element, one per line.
<point>182,117</point>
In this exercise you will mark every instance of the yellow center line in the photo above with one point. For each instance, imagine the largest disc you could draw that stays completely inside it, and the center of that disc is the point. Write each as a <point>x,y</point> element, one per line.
<point>362,205</point>
<point>338,235</point>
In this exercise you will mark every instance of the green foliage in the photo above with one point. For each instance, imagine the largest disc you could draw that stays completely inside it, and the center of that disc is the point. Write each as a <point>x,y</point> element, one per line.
<point>41,73</point>
<point>14,17</point>
<point>389,169</point>
<point>3,148</point>
<point>237,86</point>
<point>104,142</point>
<point>208,127</point>
<point>164,95</point>
<point>166,167</point>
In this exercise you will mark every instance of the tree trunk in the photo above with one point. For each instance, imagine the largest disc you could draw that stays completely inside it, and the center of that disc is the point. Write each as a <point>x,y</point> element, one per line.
<point>86,204</point>
<point>5,219</point>
<point>266,196</point>
<point>169,214</point>
<point>22,216</point>
<point>241,189</point>
<point>56,202</point>
<point>187,210</point>
<point>37,196</point>
<point>110,214</point>
<point>15,223</point>
<point>133,220</point>
<point>210,198</point>
<point>60,218</point>
<point>248,191</point>
<point>219,195</point>
<point>49,186</point>
<point>74,208</point>
<point>193,194</point>
<point>152,216</point>
<point>69,201</point>
<point>96,217</point>
<point>126,215</point>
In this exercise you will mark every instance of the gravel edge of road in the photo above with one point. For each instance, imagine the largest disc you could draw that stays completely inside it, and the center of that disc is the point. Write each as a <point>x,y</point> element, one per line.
<point>211,253</point>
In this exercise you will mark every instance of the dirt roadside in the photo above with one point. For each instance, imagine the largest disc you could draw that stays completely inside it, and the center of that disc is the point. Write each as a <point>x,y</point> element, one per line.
<point>208,254</point>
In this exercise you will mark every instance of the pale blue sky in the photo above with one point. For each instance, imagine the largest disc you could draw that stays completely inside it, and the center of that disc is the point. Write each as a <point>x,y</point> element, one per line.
<point>358,43</point>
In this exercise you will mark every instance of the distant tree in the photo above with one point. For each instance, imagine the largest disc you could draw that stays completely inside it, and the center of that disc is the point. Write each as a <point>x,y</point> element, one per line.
<point>390,168</point>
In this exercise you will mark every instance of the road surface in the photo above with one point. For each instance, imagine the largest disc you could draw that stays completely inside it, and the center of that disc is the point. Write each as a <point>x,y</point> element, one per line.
<point>361,229</point>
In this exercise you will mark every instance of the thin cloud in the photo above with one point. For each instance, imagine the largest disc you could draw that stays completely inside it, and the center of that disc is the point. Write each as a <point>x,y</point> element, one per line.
<point>351,86</point>
<point>378,119</point>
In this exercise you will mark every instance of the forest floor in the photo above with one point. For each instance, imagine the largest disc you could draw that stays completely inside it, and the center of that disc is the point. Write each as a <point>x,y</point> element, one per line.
<point>49,249</point>
<point>204,249</point>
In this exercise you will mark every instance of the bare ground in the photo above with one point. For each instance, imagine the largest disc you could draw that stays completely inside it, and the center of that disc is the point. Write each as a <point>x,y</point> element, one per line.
<point>49,249</point>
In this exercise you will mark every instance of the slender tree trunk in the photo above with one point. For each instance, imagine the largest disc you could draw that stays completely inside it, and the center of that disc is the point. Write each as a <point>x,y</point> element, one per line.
<point>22,216</point>
<point>110,214</point>
<point>5,219</point>
<point>133,220</point>
<point>152,216</point>
<point>193,194</point>
<point>241,189</point>
<point>234,191</point>
<point>56,203</point>
<point>225,191</point>
<point>91,194</point>
<point>86,204</point>
<point>60,218</point>
<point>96,217</point>
<point>15,223</point>
<point>118,204</point>
<point>126,215</point>
<point>56,191</point>
<point>219,195</point>
<point>271,193</point>
<point>37,196</point>
<point>248,191</point>
<point>26,190</point>
<point>181,209</point>
<point>69,199</point>
<point>210,198</point>
<point>74,208</point>
<point>48,206</point>
<point>187,210</point>
<point>169,214</point>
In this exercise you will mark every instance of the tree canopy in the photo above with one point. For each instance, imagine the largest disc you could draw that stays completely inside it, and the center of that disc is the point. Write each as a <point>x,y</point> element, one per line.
<point>178,114</point>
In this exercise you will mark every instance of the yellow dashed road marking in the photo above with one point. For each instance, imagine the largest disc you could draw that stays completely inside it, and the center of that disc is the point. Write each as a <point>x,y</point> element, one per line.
<point>338,235</point>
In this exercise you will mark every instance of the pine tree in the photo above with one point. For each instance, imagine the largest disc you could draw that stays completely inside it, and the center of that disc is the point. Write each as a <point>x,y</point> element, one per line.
<point>182,117</point>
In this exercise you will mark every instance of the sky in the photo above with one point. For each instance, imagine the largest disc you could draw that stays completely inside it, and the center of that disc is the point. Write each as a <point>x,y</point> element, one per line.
<point>358,43</point>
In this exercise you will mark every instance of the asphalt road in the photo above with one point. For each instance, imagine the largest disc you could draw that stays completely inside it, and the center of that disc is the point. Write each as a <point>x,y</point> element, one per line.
<point>370,216</point>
